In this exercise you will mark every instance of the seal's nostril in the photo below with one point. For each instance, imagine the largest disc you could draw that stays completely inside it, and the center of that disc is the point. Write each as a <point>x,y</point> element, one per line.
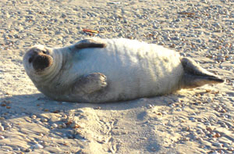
<point>30,60</point>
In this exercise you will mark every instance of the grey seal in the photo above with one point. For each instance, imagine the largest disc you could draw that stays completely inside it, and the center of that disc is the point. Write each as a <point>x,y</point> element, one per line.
<point>105,70</point>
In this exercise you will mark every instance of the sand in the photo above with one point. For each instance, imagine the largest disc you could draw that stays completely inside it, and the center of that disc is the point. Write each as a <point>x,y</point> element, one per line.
<point>197,120</point>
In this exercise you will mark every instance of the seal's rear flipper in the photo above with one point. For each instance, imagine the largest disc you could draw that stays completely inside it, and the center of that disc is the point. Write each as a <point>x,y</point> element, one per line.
<point>89,43</point>
<point>195,76</point>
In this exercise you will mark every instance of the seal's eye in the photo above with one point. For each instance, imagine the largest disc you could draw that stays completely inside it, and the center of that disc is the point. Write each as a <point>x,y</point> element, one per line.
<point>30,60</point>
<point>44,52</point>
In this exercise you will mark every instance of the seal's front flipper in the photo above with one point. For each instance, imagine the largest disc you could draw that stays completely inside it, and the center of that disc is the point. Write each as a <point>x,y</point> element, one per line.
<point>91,83</point>
<point>89,43</point>
<point>195,76</point>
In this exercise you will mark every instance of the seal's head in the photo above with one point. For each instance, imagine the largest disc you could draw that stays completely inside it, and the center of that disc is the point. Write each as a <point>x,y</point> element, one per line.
<point>38,59</point>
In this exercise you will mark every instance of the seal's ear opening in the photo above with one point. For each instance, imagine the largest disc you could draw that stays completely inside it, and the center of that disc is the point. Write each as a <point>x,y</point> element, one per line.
<point>30,59</point>
<point>195,76</point>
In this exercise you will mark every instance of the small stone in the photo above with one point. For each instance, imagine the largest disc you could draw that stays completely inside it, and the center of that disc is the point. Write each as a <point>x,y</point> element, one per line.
<point>2,128</point>
<point>54,125</point>
<point>75,125</point>
<point>40,134</point>
<point>209,100</point>
<point>3,104</point>
<point>223,111</point>
<point>192,119</point>
<point>66,30</point>
<point>63,125</point>
<point>199,119</point>
<point>97,108</point>
<point>46,110</point>
<point>153,149</point>
<point>70,135</point>
<point>202,146</point>
<point>199,139</point>
<point>224,125</point>
<point>231,148</point>
<point>159,113</point>
<point>215,152</point>
<point>149,106</point>
<point>63,15</point>
<point>75,131</point>
<point>33,116</point>
<point>217,135</point>
<point>56,111</point>
<point>200,131</point>
<point>38,146</point>
<point>44,119</point>
<point>209,129</point>
<point>217,144</point>
<point>185,139</point>
<point>8,125</point>
<point>186,128</point>
<point>1,137</point>
<point>207,123</point>
<point>179,109</point>
<point>28,150</point>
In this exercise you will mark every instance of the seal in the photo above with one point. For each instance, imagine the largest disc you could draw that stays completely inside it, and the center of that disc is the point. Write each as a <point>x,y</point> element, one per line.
<point>106,70</point>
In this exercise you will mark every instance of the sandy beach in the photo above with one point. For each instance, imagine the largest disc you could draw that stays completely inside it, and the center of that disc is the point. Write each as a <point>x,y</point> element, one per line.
<point>199,120</point>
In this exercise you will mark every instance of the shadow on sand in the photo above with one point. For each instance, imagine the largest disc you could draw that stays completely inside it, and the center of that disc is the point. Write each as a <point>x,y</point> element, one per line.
<point>22,106</point>
<point>38,104</point>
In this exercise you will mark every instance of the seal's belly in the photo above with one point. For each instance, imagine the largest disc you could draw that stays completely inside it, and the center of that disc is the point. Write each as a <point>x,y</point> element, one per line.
<point>133,69</point>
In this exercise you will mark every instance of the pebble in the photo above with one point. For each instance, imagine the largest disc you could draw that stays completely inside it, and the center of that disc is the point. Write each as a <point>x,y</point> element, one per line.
<point>200,131</point>
<point>153,149</point>
<point>186,139</point>
<point>217,144</point>
<point>192,119</point>
<point>40,134</point>
<point>75,125</point>
<point>231,148</point>
<point>200,139</point>
<point>186,128</point>
<point>217,135</point>
<point>7,126</point>
<point>38,146</point>
<point>44,119</point>
<point>210,129</point>
<point>54,125</point>
<point>179,109</point>
<point>1,137</point>
<point>33,116</point>
<point>63,125</point>
<point>28,150</point>
<point>1,128</point>
<point>150,106</point>
<point>70,134</point>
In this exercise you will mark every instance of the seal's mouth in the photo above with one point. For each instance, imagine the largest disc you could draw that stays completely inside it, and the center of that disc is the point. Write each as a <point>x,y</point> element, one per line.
<point>41,62</point>
<point>40,59</point>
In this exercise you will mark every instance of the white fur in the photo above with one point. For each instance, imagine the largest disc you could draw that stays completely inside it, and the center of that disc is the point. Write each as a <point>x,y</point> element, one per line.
<point>133,69</point>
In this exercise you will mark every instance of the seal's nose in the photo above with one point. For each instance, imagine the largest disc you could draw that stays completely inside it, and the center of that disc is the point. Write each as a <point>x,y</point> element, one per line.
<point>41,62</point>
